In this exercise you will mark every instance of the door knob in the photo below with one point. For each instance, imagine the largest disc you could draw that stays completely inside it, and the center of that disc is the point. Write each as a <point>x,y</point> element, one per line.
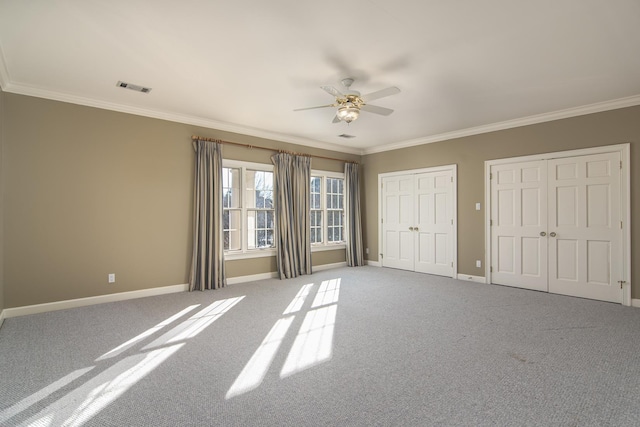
<point>410,228</point>
<point>415,228</point>
<point>542,233</point>
<point>553,234</point>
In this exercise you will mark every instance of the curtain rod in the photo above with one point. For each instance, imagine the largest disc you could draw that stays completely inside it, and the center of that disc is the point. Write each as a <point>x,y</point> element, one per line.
<point>202,138</point>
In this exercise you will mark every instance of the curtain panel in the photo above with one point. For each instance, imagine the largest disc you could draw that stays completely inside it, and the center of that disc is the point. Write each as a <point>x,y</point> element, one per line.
<point>292,182</point>
<point>353,224</point>
<point>207,262</point>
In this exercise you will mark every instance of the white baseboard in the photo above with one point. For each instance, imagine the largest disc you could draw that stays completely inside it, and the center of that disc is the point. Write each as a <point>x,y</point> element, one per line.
<point>329,266</point>
<point>274,274</point>
<point>251,278</point>
<point>373,263</point>
<point>100,299</point>
<point>471,278</point>
<point>635,303</point>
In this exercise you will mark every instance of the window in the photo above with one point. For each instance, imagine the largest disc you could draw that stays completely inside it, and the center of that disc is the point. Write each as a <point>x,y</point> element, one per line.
<point>259,209</point>
<point>316,210</point>
<point>247,207</point>
<point>231,212</point>
<point>335,209</point>
<point>327,208</point>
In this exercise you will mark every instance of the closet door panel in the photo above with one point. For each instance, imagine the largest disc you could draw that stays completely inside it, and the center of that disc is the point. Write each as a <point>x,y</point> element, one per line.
<point>519,221</point>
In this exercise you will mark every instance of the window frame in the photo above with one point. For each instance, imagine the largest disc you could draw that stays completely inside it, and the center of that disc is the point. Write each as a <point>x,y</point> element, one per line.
<point>245,252</point>
<point>326,245</point>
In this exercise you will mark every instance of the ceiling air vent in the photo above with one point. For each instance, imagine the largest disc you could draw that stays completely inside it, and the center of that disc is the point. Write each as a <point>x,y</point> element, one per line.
<point>346,136</point>
<point>134,87</point>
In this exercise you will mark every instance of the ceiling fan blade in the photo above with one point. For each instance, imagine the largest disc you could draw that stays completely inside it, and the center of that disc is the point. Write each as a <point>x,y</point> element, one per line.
<point>380,94</point>
<point>332,91</point>
<point>336,119</point>
<point>313,108</point>
<point>376,110</point>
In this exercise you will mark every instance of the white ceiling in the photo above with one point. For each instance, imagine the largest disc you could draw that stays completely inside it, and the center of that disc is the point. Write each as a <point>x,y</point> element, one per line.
<point>463,67</point>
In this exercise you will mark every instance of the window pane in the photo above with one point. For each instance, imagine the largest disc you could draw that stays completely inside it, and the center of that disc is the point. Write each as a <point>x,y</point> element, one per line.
<point>268,199</point>
<point>259,189</point>
<point>230,187</point>
<point>250,191</point>
<point>316,226</point>
<point>260,229</point>
<point>231,220</point>
<point>315,192</point>
<point>270,217</point>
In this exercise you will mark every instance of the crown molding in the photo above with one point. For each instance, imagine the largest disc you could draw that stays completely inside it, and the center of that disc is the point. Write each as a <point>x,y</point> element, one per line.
<point>630,101</point>
<point>21,89</point>
<point>27,90</point>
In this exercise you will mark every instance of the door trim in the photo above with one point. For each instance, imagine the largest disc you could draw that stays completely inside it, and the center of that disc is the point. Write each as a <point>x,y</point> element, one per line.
<point>454,172</point>
<point>625,201</point>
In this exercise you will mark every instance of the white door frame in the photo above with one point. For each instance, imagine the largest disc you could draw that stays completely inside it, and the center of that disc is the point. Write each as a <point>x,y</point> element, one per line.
<point>625,201</point>
<point>454,172</point>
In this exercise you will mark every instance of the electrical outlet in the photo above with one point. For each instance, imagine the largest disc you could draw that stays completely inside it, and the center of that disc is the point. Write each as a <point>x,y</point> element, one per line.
<point>112,277</point>
<point>478,263</point>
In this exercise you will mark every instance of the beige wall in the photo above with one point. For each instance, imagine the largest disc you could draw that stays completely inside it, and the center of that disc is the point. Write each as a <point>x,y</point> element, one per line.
<point>90,192</point>
<point>469,153</point>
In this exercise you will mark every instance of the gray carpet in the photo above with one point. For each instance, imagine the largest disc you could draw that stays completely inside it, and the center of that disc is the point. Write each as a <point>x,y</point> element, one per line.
<point>387,348</point>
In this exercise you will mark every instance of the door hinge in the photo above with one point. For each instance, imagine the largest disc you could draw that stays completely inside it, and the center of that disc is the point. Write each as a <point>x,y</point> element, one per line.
<point>451,179</point>
<point>490,176</point>
<point>381,255</point>
<point>490,222</point>
<point>620,225</point>
<point>451,222</point>
<point>452,264</point>
<point>381,220</point>
<point>620,164</point>
<point>622,282</point>
<point>491,269</point>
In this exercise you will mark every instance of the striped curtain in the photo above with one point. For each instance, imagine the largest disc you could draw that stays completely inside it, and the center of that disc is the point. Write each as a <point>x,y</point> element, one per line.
<point>207,261</point>
<point>353,225</point>
<point>292,181</point>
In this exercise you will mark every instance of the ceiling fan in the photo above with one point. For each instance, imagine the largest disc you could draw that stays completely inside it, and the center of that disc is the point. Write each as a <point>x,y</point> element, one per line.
<point>350,103</point>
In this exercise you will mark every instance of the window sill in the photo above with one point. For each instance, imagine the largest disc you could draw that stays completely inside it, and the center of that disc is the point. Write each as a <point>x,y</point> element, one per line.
<point>328,247</point>
<point>262,253</point>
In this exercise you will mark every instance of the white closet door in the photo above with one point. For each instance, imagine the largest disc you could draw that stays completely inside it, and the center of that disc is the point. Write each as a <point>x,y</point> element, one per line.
<point>434,223</point>
<point>519,225</point>
<point>584,226</point>
<point>398,221</point>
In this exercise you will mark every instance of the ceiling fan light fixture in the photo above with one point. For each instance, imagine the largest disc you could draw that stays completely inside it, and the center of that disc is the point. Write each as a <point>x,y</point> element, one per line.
<point>348,112</point>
